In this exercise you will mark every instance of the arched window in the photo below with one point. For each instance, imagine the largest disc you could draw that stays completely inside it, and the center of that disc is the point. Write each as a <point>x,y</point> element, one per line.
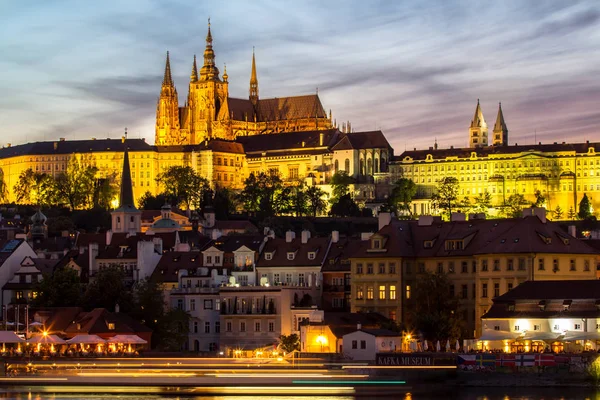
<point>336,166</point>
<point>362,166</point>
<point>347,166</point>
<point>369,167</point>
<point>376,165</point>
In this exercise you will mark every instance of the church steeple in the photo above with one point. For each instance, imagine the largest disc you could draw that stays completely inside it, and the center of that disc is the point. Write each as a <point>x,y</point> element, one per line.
<point>500,129</point>
<point>478,131</point>
<point>126,194</point>
<point>167,108</point>
<point>209,70</point>
<point>253,82</point>
<point>194,74</point>
<point>167,79</point>
<point>126,218</point>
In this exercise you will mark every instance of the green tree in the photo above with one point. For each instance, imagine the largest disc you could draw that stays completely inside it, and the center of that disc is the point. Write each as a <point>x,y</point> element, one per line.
<point>401,196</point>
<point>184,185</point>
<point>35,188</point>
<point>289,343</point>
<point>345,206</point>
<point>150,202</point>
<point>105,191</point>
<point>223,202</point>
<point>315,198</point>
<point>435,309</point>
<point>540,199</point>
<point>62,288</point>
<point>514,205</point>
<point>340,185</point>
<point>558,213</point>
<point>3,188</point>
<point>107,289</point>
<point>262,193</point>
<point>446,196</point>
<point>483,202</point>
<point>571,213</point>
<point>56,225</point>
<point>299,199</point>
<point>76,186</point>
<point>172,330</point>
<point>585,208</point>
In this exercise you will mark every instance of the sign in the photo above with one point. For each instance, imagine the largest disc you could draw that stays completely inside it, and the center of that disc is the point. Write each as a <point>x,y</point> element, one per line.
<point>416,360</point>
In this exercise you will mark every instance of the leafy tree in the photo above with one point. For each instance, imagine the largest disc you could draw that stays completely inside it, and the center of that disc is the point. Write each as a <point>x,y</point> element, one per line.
<point>62,288</point>
<point>571,213</point>
<point>558,212</point>
<point>299,199</point>
<point>223,202</point>
<point>446,197</point>
<point>483,202</point>
<point>585,208</point>
<point>56,225</point>
<point>401,196</point>
<point>435,310</point>
<point>540,199</point>
<point>340,185</point>
<point>172,330</point>
<point>107,289</point>
<point>184,185</point>
<point>105,191</point>
<point>464,205</point>
<point>289,343</point>
<point>3,187</point>
<point>35,188</point>
<point>345,207</point>
<point>76,186</point>
<point>150,202</point>
<point>315,200</point>
<point>262,193</point>
<point>514,205</point>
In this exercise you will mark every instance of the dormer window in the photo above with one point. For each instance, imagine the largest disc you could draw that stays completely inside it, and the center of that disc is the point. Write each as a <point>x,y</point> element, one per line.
<point>454,244</point>
<point>567,305</point>
<point>290,255</point>
<point>377,244</point>
<point>111,326</point>
<point>428,244</point>
<point>542,305</point>
<point>268,256</point>
<point>311,255</point>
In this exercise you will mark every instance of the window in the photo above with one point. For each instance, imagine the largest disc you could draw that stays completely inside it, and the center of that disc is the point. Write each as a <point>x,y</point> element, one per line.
<point>359,293</point>
<point>207,327</point>
<point>370,293</point>
<point>509,286</point>
<point>521,264</point>
<point>451,267</point>
<point>193,305</point>
<point>464,291</point>
<point>541,266</point>
<point>509,265</point>
<point>359,268</point>
<point>496,327</point>
<point>440,268</point>
<point>218,327</point>
<point>242,326</point>
<point>555,266</point>
<point>517,328</point>
<point>369,268</point>
<point>111,326</point>
<point>195,327</point>
<point>496,289</point>
<point>382,292</point>
<point>408,291</point>
<point>473,266</point>
<point>381,268</point>
<point>363,344</point>
<point>180,304</point>
<point>484,265</point>
<point>377,244</point>
<point>421,268</point>
<point>276,278</point>
<point>392,292</point>
<point>311,255</point>
<point>586,265</point>
<point>572,265</point>
<point>257,327</point>
<point>484,290</point>
<point>355,344</point>
<point>271,327</point>
<point>392,267</point>
<point>268,256</point>
<point>301,279</point>
<point>577,327</point>
<point>537,327</point>
<point>290,255</point>
<point>496,265</point>
<point>208,304</point>
<point>452,290</point>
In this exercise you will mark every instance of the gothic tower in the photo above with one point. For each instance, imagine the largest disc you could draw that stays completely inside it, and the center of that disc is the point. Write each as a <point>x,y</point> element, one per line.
<point>500,129</point>
<point>478,131</point>
<point>253,83</point>
<point>126,218</point>
<point>167,110</point>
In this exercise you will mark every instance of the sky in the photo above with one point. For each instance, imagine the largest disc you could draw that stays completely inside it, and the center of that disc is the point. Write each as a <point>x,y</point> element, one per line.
<point>414,69</point>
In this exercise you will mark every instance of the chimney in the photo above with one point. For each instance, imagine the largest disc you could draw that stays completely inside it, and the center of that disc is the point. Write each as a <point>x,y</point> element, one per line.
<point>289,236</point>
<point>62,139</point>
<point>117,308</point>
<point>122,139</point>
<point>108,237</point>
<point>358,326</point>
<point>425,220</point>
<point>457,216</point>
<point>321,137</point>
<point>305,236</point>
<point>92,254</point>
<point>573,230</point>
<point>384,219</point>
<point>335,236</point>
<point>215,234</point>
<point>55,145</point>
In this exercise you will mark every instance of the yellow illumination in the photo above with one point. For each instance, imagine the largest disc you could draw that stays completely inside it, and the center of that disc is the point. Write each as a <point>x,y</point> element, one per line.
<point>45,333</point>
<point>322,340</point>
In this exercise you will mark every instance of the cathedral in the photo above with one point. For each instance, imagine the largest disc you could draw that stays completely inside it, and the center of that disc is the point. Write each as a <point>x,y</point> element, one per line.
<point>210,113</point>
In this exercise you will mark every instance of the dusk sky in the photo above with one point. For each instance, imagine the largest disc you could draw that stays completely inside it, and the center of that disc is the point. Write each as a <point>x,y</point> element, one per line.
<point>80,69</point>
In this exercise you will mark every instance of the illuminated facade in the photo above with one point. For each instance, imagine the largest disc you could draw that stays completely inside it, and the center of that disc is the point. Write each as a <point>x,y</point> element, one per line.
<point>209,112</point>
<point>562,172</point>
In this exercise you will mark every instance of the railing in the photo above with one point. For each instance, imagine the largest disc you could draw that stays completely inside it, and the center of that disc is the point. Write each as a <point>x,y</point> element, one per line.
<point>243,269</point>
<point>204,289</point>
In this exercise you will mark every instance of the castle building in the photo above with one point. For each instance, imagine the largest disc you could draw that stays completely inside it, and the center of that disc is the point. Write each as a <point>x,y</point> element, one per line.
<point>210,113</point>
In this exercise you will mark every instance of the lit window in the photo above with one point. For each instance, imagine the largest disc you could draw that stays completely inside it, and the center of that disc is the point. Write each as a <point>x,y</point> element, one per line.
<point>408,291</point>
<point>382,292</point>
<point>392,292</point>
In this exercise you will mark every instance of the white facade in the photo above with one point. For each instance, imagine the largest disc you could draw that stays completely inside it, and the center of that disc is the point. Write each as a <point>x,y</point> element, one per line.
<point>19,249</point>
<point>363,346</point>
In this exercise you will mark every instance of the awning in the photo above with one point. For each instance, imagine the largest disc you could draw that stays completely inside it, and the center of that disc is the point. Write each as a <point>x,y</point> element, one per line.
<point>10,337</point>
<point>46,339</point>
<point>489,334</point>
<point>86,339</point>
<point>536,335</point>
<point>126,339</point>
<point>571,336</point>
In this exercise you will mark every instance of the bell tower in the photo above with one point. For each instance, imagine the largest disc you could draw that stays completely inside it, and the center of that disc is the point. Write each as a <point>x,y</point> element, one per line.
<point>167,110</point>
<point>500,129</point>
<point>478,131</point>
<point>127,218</point>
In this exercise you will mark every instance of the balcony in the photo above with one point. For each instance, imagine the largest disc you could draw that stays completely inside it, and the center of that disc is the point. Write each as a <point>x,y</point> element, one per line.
<point>336,288</point>
<point>245,268</point>
<point>270,310</point>
<point>196,289</point>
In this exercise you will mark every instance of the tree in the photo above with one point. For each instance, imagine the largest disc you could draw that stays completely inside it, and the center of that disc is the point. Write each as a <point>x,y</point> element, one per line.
<point>585,208</point>
<point>571,213</point>
<point>558,212</point>
<point>260,193</point>
<point>172,331</point>
<point>223,202</point>
<point>514,205</point>
<point>483,202</point>
<point>315,198</point>
<point>108,289</point>
<point>184,185</point>
<point>340,185</point>
<point>76,186</point>
<point>150,202</point>
<point>401,196</point>
<point>446,196</point>
<point>289,343</point>
<point>345,207</point>
<point>299,199</point>
<point>540,199</point>
<point>435,309</point>
<point>3,187</point>
<point>105,191</point>
<point>35,188</point>
<point>62,288</point>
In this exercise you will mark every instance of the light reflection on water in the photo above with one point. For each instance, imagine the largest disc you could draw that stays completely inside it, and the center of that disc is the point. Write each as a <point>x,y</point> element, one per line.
<point>452,393</point>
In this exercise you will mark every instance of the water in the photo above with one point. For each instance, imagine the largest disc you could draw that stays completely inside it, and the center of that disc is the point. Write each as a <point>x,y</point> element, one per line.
<point>451,393</point>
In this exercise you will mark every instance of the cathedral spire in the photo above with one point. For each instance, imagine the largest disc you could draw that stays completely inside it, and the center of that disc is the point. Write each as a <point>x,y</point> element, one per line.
<point>478,131</point>
<point>126,194</point>
<point>253,81</point>
<point>167,79</point>
<point>478,119</point>
<point>500,129</point>
<point>194,75</point>
<point>209,70</point>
